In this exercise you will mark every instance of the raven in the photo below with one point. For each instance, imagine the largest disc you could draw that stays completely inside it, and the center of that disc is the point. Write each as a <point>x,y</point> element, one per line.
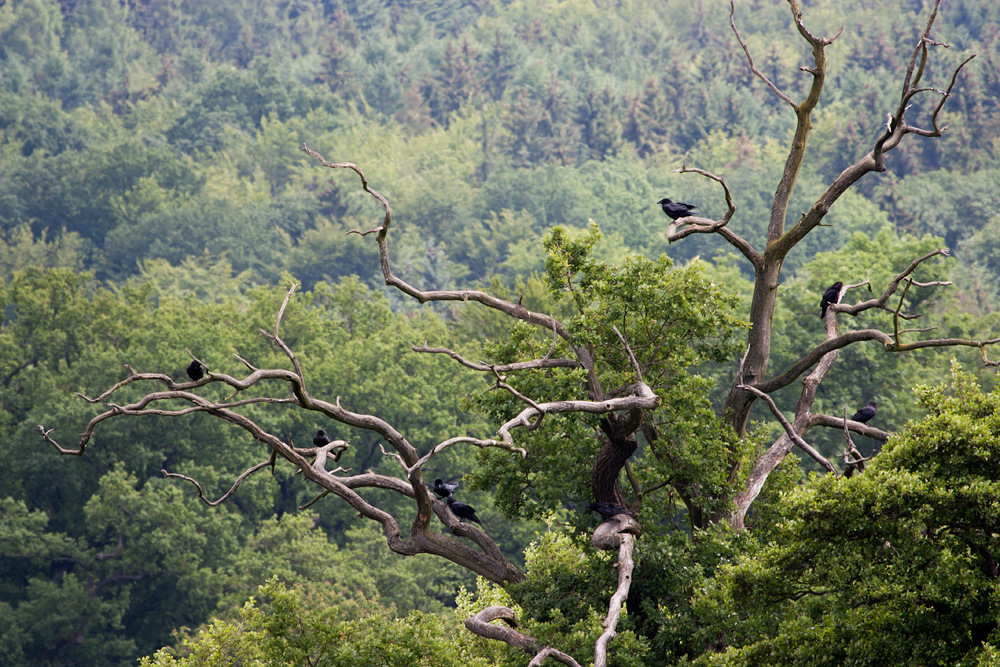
<point>675,209</point>
<point>831,295</point>
<point>195,370</point>
<point>865,413</point>
<point>462,511</point>
<point>443,489</point>
<point>608,510</point>
<point>321,438</point>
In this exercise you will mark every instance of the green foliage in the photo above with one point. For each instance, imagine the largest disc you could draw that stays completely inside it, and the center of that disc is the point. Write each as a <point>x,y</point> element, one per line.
<point>290,626</point>
<point>895,566</point>
<point>674,319</point>
<point>560,604</point>
<point>156,145</point>
<point>178,560</point>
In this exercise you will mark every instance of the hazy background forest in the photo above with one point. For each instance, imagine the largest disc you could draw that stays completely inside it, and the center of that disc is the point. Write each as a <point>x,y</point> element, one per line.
<point>153,198</point>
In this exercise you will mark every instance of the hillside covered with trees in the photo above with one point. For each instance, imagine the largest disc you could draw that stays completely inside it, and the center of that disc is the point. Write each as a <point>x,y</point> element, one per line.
<point>156,205</point>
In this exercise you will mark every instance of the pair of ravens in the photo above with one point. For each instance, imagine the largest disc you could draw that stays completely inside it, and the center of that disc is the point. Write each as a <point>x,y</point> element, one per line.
<point>830,297</point>
<point>458,508</point>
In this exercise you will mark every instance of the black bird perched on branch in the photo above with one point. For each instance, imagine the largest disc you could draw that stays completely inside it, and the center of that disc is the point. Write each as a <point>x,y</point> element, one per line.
<point>608,510</point>
<point>443,489</point>
<point>462,511</point>
<point>321,438</point>
<point>675,209</point>
<point>195,370</point>
<point>831,295</point>
<point>865,413</point>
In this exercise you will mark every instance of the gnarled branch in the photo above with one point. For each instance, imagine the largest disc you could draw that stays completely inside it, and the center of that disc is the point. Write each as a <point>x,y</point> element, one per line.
<point>481,624</point>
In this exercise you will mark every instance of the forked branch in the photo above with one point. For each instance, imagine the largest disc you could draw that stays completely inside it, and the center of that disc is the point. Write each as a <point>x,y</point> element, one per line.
<point>239,480</point>
<point>692,224</point>
<point>481,624</point>
<point>513,310</point>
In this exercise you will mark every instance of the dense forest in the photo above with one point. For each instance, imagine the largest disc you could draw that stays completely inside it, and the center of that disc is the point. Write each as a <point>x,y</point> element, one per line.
<point>155,204</point>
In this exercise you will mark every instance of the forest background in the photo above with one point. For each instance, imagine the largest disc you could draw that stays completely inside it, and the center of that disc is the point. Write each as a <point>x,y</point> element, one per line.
<point>153,199</point>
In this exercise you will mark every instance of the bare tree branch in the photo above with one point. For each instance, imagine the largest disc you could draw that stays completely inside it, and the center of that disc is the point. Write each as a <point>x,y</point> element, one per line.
<point>481,625</point>
<point>512,309</point>
<point>500,368</point>
<point>753,68</point>
<point>684,227</point>
<point>643,398</point>
<point>625,566</point>
<point>239,480</point>
<point>891,342</point>
<point>790,431</point>
<point>892,286</point>
<point>819,419</point>
<point>276,339</point>
<point>487,561</point>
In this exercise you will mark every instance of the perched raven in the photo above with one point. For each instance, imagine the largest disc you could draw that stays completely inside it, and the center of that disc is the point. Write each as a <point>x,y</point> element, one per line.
<point>321,438</point>
<point>675,209</point>
<point>195,371</point>
<point>608,510</point>
<point>865,413</point>
<point>462,511</point>
<point>443,489</point>
<point>831,295</point>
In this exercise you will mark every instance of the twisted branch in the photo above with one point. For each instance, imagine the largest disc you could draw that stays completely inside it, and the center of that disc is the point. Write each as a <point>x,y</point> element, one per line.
<point>625,567</point>
<point>481,624</point>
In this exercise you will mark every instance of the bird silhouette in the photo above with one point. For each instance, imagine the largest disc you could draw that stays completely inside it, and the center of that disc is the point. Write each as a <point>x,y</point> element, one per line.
<point>443,489</point>
<point>865,413</point>
<point>675,209</point>
<point>462,511</point>
<point>831,295</point>
<point>195,370</point>
<point>321,438</point>
<point>608,510</point>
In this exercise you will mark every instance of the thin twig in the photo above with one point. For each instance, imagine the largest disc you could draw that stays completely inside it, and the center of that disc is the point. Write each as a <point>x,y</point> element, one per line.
<point>239,480</point>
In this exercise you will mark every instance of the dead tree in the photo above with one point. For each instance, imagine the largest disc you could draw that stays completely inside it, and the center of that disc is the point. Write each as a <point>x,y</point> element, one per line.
<point>622,414</point>
<point>753,381</point>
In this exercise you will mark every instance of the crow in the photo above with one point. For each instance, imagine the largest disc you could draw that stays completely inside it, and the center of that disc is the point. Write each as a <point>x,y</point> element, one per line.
<point>865,413</point>
<point>321,438</point>
<point>462,511</point>
<point>443,489</point>
<point>675,209</point>
<point>195,370</point>
<point>608,510</point>
<point>831,295</point>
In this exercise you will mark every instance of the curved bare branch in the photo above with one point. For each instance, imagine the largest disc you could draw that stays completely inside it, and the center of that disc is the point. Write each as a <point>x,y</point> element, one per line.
<point>499,368</point>
<point>514,310</point>
<point>643,398</point>
<point>819,419</point>
<point>892,287</point>
<point>790,431</point>
<point>239,480</point>
<point>481,624</point>
<point>753,68</point>
<point>625,567</point>
<point>692,224</point>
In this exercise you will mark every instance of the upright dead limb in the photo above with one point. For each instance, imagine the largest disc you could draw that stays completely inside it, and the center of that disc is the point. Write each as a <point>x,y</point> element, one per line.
<point>750,384</point>
<point>618,532</point>
<point>779,241</point>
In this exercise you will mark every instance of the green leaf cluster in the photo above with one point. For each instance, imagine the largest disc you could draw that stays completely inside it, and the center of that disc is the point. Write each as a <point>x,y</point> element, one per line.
<point>895,566</point>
